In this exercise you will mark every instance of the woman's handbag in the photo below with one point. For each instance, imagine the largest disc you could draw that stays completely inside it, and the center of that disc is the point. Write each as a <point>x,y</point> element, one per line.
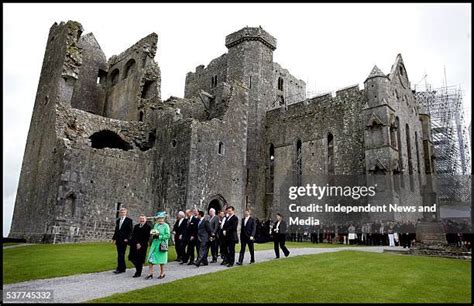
<point>163,247</point>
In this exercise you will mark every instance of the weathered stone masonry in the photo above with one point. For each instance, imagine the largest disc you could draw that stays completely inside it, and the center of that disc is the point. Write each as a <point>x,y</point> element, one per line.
<point>101,137</point>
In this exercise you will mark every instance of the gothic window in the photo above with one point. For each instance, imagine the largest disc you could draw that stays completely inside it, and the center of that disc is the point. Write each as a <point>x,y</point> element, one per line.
<point>149,89</point>
<point>130,68</point>
<point>330,147</point>
<point>271,169</point>
<point>214,81</point>
<point>393,137</point>
<point>280,84</point>
<point>70,205</point>
<point>299,163</point>
<point>417,152</point>
<point>410,165</point>
<point>114,77</point>
<point>399,143</point>
<point>140,116</point>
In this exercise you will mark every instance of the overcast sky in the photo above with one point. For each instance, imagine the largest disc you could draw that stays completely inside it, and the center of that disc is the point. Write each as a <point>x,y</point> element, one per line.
<point>329,46</point>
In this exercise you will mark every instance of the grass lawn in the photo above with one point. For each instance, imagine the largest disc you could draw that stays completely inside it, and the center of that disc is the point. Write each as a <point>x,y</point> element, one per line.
<point>53,260</point>
<point>346,276</point>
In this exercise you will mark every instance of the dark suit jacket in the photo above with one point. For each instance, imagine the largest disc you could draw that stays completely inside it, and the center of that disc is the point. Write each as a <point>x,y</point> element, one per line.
<point>215,225</point>
<point>230,227</point>
<point>247,231</point>
<point>191,228</point>
<point>203,230</point>
<point>125,232</point>
<point>282,228</point>
<point>141,236</point>
<point>180,230</point>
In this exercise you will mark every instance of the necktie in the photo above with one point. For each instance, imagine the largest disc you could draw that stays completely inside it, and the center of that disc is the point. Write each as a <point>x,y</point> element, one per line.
<point>121,222</point>
<point>245,223</point>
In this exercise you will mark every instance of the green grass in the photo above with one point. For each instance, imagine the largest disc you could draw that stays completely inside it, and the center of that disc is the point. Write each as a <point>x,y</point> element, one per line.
<point>346,276</point>
<point>48,260</point>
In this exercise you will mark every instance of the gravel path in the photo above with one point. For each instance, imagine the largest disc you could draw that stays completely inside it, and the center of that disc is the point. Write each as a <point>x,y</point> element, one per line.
<point>85,287</point>
<point>16,245</point>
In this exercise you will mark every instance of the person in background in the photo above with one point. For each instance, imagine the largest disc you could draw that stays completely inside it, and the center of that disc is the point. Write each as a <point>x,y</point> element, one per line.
<point>247,236</point>
<point>221,237</point>
<point>139,244</point>
<point>203,234</point>
<point>122,233</point>
<point>179,231</point>
<point>159,247</point>
<point>191,233</point>
<point>213,240</point>
<point>229,230</point>
<point>279,236</point>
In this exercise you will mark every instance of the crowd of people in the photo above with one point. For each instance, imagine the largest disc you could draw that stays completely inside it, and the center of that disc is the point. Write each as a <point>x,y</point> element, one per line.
<point>385,233</point>
<point>195,234</point>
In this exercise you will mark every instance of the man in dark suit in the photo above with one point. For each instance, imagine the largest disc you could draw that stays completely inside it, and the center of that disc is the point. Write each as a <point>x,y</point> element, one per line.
<point>179,231</point>
<point>213,242</point>
<point>279,230</point>
<point>139,244</point>
<point>229,230</point>
<point>203,234</point>
<point>221,238</point>
<point>247,236</point>
<point>191,237</point>
<point>123,231</point>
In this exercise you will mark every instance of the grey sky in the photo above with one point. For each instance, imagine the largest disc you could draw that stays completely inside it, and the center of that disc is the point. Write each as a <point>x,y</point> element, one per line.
<point>329,46</point>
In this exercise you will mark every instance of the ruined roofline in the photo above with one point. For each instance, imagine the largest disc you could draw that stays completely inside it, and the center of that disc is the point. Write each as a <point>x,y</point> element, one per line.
<point>251,34</point>
<point>286,71</point>
<point>147,44</point>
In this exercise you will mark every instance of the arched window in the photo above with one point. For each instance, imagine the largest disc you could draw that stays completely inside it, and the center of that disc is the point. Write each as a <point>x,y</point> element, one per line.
<point>214,81</point>
<point>280,84</point>
<point>410,165</point>
<point>330,144</point>
<point>114,77</point>
<point>108,139</point>
<point>299,163</point>
<point>140,116</point>
<point>130,68</point>
<point>149,89</point>
<point>399,145</point>
<point>271,169</point>
<point>417,152</point>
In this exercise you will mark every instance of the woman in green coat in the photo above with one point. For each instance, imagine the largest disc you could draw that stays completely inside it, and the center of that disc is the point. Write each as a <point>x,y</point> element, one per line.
<point>158,254</point>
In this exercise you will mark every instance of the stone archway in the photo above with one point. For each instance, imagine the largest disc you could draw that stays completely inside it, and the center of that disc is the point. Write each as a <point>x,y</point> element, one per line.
<point>217,202</point>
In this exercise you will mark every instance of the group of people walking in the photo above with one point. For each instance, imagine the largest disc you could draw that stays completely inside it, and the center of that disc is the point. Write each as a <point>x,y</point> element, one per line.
<point>194,235</point>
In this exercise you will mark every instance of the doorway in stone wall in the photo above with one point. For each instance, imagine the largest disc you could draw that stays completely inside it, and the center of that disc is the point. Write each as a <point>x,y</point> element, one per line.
<point>217,202</point>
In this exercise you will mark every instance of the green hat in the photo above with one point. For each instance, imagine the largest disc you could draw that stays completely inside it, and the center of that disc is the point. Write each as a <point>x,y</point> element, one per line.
<point>160,214</point>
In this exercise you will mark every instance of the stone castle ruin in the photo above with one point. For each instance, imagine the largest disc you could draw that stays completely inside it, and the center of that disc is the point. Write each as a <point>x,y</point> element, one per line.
<point>101,137</point>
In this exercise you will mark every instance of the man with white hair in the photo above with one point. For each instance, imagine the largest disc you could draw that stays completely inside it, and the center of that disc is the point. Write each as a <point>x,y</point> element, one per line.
<point>214,223</point>
<point>179,229</point>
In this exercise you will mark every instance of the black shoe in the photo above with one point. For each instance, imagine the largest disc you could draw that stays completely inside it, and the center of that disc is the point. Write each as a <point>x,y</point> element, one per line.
<point>190,263</point>
<point>287,254</point>
<point>136,275</point>
<point>118,272</point>
<point>205,264</point>
<point>238,263</point>
<point>149,276</point>
<point>230,265</point>
<point>197,264</point>
<point>182,263</point>
<point>223,263</point>
<point>161,276</point>
<point>252,261</point>
<point>277,257</point>
<point>214,260</point>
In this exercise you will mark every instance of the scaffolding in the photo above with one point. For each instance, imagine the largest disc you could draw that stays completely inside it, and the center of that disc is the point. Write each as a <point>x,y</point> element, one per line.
<point>450,136</point>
